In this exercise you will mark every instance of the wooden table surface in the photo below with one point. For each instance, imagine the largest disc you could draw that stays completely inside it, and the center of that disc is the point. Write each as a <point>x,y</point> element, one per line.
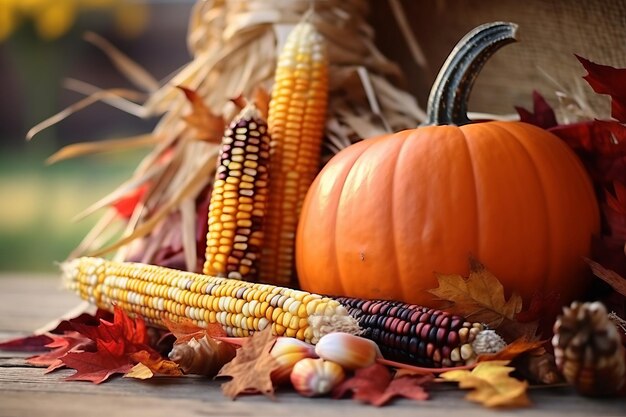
<point>29,302</point>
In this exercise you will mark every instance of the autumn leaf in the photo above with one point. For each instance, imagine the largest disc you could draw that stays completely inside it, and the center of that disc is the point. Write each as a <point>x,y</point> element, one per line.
<point>480,297</point>
<point>115,345</point>
<point>203,356</point>
<point>252,367</point>
<point>151,364</point>
<point>542,114</point>
<point>61,345</point>
<point>617,282</point>
<point>513,350</point>
<point>208,126</point>
<point>186,329</point>
<point>374,385</point>
<point>493,387</point>
<point>109,358</point>
<point>615,210</point>
<point>261,99</point>
<point>605,79</point>
<point>31,343</point>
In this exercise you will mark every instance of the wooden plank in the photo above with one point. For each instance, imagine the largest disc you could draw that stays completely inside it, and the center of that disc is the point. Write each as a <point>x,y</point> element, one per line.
<point>26,391</point>
<point>30,301</point>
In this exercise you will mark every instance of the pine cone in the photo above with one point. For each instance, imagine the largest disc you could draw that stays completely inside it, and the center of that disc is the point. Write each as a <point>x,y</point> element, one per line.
<point>588,349</point>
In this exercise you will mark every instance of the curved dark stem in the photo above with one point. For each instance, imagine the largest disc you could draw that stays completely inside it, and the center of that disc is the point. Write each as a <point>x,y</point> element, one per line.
<point>447,102</point>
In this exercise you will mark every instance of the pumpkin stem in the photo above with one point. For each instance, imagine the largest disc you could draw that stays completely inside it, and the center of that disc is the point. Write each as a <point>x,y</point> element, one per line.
<point>447,102</point>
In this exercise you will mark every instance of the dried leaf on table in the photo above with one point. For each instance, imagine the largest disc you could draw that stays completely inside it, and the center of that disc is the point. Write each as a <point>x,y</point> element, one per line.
<point>480,297</point>
<point>252,367</point>
<point>61,345</point>
<point>202,355</point>
<point>151,364</point>
<point>208,126</point>
<point>31,343</point>
<point>493,387</point>
<point>375,385</point>
<point>115,344</point>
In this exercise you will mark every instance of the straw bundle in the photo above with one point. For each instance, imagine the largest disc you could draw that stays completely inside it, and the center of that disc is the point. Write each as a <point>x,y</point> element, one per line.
<point>234,45</point>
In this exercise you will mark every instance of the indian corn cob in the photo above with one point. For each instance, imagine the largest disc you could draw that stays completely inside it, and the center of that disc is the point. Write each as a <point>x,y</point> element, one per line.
<point>241,307</point>
<point>296,120</point>
<point>238,199</point>
<point>420,335</point>
<point>404,332</point>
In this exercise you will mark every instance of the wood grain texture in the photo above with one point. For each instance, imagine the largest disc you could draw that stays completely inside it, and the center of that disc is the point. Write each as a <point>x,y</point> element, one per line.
<point>25,391</point>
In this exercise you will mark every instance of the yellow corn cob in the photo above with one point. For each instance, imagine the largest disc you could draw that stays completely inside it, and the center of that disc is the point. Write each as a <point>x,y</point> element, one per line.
<point>240,307</point>
<point>296,120</point>
<point>238,198</point>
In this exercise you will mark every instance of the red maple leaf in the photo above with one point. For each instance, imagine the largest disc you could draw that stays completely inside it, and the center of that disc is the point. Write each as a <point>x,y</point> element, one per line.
<point>605,79</point>
<point>61,345</point>
<point>375,385</point>
<point>542,114</point>
<point>115,346</point>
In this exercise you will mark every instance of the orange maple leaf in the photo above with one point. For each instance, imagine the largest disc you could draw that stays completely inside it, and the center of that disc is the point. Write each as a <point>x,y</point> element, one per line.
<point>252,367</point>
<point>480,297</point>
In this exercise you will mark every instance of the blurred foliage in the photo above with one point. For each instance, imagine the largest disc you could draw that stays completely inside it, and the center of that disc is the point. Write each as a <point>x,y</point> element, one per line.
<point>39,203</point>
<point>53,18</point>
<point>40,45</point>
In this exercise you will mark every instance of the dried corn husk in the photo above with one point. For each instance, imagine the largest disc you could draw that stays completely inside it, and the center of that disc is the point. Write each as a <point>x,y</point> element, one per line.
<point>234,46</point>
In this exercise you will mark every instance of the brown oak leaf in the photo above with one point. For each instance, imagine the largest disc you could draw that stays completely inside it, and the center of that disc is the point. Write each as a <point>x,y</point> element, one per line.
<point>513,350</point>
<point>480,297</point>
<point>252,367</point>
<point>208,126</point>
<point>375,385</point>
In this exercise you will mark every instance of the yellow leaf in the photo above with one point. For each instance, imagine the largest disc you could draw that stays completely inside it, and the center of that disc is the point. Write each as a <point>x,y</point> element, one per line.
<point>492,386</point>
<point>480,297</point>
<point>139,371</point>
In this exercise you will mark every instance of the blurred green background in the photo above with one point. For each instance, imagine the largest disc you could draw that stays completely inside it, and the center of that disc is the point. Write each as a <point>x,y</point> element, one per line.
<point>41,44</point>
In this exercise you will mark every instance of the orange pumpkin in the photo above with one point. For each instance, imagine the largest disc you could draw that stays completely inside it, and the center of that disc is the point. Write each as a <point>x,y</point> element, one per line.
<point>386,214</point>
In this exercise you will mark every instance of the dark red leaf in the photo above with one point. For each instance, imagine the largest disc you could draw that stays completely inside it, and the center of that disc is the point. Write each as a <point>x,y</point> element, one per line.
<point>115,345</point>
<point>98,366</point>
<point>375,385</point>
<point>615,211</point>
<point>61,345</point>
<point>542,115</point>
<point>539,304</point>
<point>605,79</point>
<point>32,343</point>
<point>601,145</point>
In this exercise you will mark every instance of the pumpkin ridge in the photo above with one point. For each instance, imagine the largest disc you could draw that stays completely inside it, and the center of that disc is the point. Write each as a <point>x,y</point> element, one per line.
<point>335,211</point>
<point>548,266</point>
<point>475,193</point>
<point>405,139</point>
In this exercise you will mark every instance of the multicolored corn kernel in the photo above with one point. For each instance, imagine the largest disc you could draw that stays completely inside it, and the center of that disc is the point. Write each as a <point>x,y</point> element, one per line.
<point>296,120</point>
<point>241,307</point>
<point>239,198</point>
<point>415,334</point>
